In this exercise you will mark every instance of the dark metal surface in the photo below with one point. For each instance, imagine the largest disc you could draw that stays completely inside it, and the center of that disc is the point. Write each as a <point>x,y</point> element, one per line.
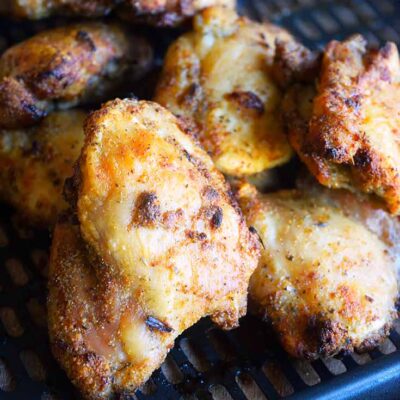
<point>206,363</point>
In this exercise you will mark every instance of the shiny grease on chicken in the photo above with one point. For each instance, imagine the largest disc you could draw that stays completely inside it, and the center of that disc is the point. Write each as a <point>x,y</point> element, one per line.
<point>219,79</point>
<point>165,245</point>
<point>65,66</point>
<point>346,129</point>
<point>34,163</point>
<point>325,280</point>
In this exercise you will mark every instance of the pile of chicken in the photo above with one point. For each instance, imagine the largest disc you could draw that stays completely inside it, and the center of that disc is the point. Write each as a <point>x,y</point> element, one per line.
<point>149,236</point>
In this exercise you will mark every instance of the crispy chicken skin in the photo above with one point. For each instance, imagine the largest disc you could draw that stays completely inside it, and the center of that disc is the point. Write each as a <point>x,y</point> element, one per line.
<point>348,134</point>
<point>153,12</point>
<point>325,280</point>
<point>219,77</point>
<point>65,66</point>
<point>165,245</point>
<point>34,163</point>
<point>35,9</point>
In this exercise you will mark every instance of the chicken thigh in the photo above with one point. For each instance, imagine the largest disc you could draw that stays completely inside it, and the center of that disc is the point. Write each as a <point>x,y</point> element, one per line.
<point>326,279</point>
<point>219,79</point>
<point>65,66</point>
<point>347,128</point>
<point>34,163</point>
<point>163,244</point>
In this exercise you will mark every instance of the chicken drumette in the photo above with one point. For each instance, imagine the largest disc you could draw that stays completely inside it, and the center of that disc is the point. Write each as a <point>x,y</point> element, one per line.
<point>160,243</point>
<point>219,78</point>
<point>327,275</point>
<point>64,66</point>
<point>346,129</point>
<point>34,163</point>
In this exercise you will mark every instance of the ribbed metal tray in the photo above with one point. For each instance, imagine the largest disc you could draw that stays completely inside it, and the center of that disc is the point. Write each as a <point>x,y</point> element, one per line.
<point>206,363</point>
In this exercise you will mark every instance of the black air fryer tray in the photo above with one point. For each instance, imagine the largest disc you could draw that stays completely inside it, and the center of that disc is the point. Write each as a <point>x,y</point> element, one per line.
<point>206,363</point>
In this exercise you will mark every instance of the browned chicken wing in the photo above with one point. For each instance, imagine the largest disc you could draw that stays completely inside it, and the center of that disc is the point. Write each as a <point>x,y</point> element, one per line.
<point>163,245</point>
<point>34,163</point>
<point>348,134</point>
<point>219,77</point>
<point>327,275</point>
<point>65,66</point>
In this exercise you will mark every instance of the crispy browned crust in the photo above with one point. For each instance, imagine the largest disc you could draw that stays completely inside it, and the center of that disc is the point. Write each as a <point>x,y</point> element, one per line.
<point>70,312</point>
<point>311,336</point>
<point>112,323</point>
<point>219,77</point>
<point>322,294</point>
<point>294,63</point>
<point>34,163</point>
<point>66,66</point>
<point>350,137</point>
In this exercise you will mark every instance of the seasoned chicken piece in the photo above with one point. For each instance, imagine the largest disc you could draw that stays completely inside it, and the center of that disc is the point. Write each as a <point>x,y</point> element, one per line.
<point>165,245</point>
<point>325,280</point>
<point>64,66</point>
<point>167,12</point>
<point>348,135</point>
<point>35,9</point>
<point>34,163</point>
<point>219,78</point>
<point>154,12</point>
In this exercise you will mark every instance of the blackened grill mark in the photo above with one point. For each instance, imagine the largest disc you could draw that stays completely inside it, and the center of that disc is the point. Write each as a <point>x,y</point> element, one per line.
<point>196,235</point>
<point>83,36</point>
<point>155,324</point>
<point>216,219</point>
<point>247,100</point>
<point>362,159</point>
<point>147,210</point>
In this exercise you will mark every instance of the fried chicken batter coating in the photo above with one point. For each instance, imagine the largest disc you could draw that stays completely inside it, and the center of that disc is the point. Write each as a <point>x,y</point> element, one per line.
<point>166,244</point>
<point>348,135</point>
<point>65,66</point>
<point>325,280</point>
<point>35,162</point>
<point>220,77</point>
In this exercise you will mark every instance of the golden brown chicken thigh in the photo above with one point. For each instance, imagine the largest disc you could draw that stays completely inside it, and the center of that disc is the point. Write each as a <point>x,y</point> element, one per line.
<point>64,66</point>
<point>165,245</point>
<point>34,163</point>
<point>348,134</point>
<point>325,280</point>
<point>219,77</point>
